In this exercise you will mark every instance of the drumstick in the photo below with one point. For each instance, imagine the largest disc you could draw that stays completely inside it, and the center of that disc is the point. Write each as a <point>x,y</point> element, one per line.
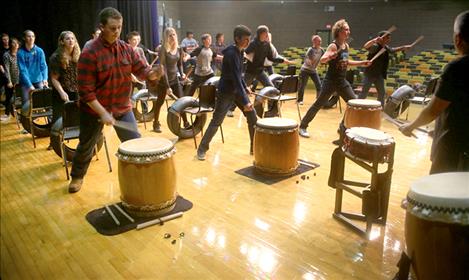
<point>112,215</point>
<point>123,213</point>
<point>396,123</point>
<point>125,125</point>
<point>154,60</point>
<point>420,38</point>
<point>159,220</point>
<point>381,51</point>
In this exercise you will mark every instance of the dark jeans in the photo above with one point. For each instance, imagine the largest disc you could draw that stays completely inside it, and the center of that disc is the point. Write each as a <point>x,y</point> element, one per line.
<point>342,87</point>
<point>304,81</point>
<point>197,81</point>
<point>9,101</point>
<point>90,130</point>
<point>379,84</point>
<point>223,104</point>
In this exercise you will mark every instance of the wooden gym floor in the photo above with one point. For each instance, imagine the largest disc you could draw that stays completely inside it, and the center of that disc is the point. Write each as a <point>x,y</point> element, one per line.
<point>238,228</point>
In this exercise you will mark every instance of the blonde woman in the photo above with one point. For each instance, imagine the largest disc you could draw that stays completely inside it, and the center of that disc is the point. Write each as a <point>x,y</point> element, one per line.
<point>337,57</point>
<point>171,58</point>
<point>63,72</point>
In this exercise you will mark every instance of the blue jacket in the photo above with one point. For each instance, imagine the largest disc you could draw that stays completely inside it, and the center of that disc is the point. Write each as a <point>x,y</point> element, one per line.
<point>32,65</point>
<point>231,80</point>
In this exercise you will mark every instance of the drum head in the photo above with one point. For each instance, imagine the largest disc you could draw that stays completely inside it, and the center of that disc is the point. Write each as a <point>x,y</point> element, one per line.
<point>364,103</point>
<point>277,123</point>
<point>146,146</point>
<point>369,135</point>
<point>444,190</point>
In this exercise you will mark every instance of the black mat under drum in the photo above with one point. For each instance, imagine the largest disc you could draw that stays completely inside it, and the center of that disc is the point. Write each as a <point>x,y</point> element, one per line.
<point>104,224</point>
<point>253,173</point>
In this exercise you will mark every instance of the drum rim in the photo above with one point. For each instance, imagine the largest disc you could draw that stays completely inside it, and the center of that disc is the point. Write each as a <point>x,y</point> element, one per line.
<point>449,209</point>
<point>368,103</point>
<point>360,138</point>
<point>165,149</point>
<point>260,123</point>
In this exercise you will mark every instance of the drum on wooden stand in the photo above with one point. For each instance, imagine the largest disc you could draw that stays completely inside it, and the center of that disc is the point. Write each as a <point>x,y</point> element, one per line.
<point>368,144</point>
<point>437,226</point>
<point>147,176</point>
<point>363,112</point>
<point>276,146</point>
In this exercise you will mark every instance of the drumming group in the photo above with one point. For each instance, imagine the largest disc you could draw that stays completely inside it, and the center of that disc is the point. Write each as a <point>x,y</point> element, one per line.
<point>107,67</point>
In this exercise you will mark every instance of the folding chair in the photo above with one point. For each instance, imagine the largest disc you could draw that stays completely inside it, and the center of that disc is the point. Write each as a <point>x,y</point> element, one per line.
<point>71,130</point>
<point>207,96</point>
<point>40,106</point>
<point>287,86</point>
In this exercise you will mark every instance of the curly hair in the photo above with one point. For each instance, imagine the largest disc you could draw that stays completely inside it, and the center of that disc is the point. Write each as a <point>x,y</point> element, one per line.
<point>338,26</point>
<point>64,57</point>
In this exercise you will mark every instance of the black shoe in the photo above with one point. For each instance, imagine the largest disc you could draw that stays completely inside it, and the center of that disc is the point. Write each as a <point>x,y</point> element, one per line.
<point>157,127</point>
<point>49,147</point>
<point>337,142</point>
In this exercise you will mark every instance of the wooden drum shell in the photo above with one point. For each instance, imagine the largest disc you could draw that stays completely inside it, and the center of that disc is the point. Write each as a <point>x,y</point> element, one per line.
<point>276,150</point>
<point>438,250</point>
<point>362,115</point>
<point>147,183</point>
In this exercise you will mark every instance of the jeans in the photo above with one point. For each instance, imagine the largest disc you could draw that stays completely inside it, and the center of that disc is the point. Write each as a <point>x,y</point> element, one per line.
<point>223,104</point>
<point>379,84</point>
<point>25,91</point>
<point>304,81</point>
<point>90,130</point>
<point>342,87</point>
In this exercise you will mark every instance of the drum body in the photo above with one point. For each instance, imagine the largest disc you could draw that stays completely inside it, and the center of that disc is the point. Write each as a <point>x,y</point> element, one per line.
<point>276,146</point>
<point>368,144</point>
<point>147,176</point>
<point>364,113</point>
<point>437,226</point>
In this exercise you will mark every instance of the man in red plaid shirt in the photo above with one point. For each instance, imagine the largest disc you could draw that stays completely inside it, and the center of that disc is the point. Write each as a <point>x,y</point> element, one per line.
<point>104,83</point>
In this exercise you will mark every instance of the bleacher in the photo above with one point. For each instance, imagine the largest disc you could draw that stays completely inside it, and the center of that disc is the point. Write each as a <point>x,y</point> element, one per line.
<point>419,68</point>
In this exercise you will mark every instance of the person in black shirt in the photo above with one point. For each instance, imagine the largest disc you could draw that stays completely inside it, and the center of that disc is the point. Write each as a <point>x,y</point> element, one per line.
<point>450,107</point>
<point>258,50</point>
<point>377,72</point>
<point>231,89</point>
<point>337,57</point>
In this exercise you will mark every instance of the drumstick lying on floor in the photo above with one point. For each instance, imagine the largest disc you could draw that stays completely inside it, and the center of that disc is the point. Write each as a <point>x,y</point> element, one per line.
<point>159,220</point>
<point>109,211</point>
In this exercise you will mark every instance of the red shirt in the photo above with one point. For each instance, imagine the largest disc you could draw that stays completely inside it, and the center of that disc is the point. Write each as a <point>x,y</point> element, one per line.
<point>104,74</point>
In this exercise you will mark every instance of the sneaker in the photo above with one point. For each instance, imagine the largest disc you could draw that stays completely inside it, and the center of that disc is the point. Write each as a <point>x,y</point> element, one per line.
<point>304,133</point>
<point>200,154</point>
<point>157,127</point>
<point>5,118</point>
<point>75,185</point>
<point>230,114</point>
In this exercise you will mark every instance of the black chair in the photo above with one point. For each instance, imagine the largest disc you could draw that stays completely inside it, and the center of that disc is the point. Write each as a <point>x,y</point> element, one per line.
<point>40,106</point>
<point>71,130</point>
<point>207,97</point>
<point>288,86</point>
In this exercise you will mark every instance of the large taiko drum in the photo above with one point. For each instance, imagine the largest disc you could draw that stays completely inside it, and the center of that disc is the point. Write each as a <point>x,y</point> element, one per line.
<point>276,146</point>
<point>363,112</point>
<point>368,144</point>
<point>437,226</point>
<point>147,176</point>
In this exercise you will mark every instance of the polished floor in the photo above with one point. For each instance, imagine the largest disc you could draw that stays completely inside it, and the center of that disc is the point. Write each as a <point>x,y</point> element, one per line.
<point>238,228</point>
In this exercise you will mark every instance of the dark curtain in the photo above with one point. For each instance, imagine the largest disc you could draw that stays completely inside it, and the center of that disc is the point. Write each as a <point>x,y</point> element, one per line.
<point>48,18</point>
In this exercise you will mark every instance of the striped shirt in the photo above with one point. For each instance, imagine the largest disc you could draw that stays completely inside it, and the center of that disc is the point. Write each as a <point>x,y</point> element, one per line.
<point>104,74</point>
